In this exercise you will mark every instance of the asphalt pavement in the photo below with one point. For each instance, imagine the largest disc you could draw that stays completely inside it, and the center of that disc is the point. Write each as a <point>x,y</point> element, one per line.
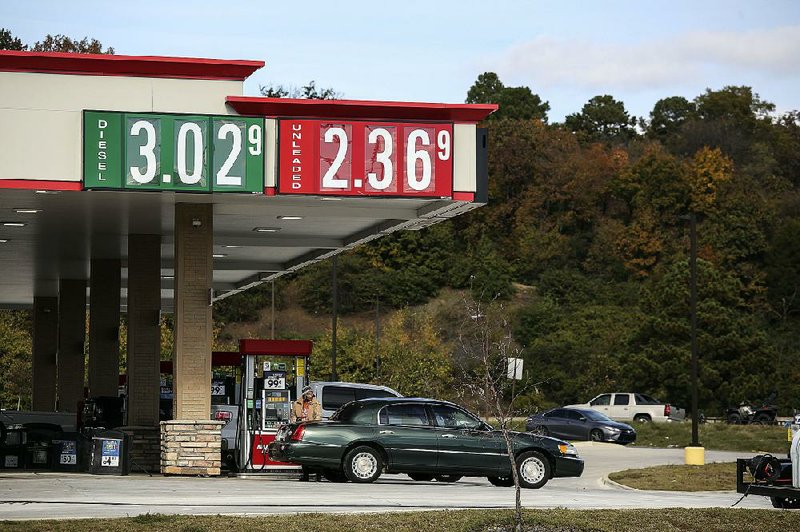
<point>29,495</point>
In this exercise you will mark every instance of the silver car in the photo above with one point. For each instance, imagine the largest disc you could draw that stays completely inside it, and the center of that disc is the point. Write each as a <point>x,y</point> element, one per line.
<point>580,424</point>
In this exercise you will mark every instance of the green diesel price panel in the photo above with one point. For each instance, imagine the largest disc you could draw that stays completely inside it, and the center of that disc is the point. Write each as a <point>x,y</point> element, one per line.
<point>191,153</point>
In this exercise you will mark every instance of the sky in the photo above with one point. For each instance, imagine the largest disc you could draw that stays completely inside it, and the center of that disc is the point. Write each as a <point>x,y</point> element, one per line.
<point>566,51</point>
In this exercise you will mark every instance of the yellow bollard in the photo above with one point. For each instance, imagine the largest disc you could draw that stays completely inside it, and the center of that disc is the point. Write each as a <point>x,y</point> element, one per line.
<point>695,455</point>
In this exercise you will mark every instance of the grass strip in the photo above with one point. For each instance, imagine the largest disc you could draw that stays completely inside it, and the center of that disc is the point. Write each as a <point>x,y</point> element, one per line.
<point>556,520</point>
<point>709,477</point>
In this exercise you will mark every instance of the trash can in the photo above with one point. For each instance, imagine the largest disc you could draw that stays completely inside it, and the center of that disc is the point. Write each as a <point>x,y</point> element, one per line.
<point>65,453</point>
<point>110,453</point>
<point>38,441</point>
<point>12,453</point>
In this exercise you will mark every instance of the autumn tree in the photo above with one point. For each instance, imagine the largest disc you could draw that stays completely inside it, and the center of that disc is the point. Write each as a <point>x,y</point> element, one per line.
<point>9,42</point>
<point>602,119</point>
<point>62,43</point>
<point>515,102</point>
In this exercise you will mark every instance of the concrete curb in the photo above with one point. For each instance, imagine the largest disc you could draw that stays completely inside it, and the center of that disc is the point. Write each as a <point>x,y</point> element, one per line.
<point>608,482</point>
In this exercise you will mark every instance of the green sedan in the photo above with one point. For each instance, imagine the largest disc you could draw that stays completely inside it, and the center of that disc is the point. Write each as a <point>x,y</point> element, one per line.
<point>423,438</point>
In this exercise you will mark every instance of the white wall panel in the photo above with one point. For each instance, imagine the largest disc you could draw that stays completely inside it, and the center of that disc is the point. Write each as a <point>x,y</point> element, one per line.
<point>40,114</point>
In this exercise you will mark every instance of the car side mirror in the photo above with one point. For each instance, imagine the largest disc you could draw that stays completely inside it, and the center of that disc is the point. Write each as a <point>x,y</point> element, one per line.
<point>583,419</point>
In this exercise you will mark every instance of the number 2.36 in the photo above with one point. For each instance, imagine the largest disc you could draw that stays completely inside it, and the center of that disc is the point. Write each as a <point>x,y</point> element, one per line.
<point>422,146</point>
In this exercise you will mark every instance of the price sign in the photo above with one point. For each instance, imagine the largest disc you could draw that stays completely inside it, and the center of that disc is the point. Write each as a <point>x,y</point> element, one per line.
<point>217,388</point>
<point>365,158</point>
<point>274,380</point>
<point>68,459</point>
<point>195,153</point>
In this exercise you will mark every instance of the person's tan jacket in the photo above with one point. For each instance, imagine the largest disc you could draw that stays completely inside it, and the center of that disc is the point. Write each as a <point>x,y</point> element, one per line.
<point>314,411</point>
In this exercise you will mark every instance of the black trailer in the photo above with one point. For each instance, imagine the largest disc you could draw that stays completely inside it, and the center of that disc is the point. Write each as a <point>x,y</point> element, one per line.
<point>776,486</point>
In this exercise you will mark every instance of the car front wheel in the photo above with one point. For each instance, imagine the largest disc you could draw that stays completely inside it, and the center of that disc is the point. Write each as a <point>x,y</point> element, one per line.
<point>533,469</point>
<point>363,464</point>
<point>596,435</point>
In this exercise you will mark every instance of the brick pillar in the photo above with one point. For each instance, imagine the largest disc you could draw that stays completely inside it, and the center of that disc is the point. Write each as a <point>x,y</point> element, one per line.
<point>193,330</point>
<point>190,444</point>
<point>104,327</point>
<point>71,339</point>
<point>45,346</point>
<point>144,334</point>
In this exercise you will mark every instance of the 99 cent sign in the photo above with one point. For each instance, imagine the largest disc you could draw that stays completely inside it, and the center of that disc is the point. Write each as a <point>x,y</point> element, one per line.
<point>194,153</point>
<point>347,158</point>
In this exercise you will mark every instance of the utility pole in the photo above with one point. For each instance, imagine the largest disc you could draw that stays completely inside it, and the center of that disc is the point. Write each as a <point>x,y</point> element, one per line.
<point>693,310</point>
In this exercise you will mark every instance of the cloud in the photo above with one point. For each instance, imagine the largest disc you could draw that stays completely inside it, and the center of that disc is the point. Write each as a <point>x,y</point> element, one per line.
<point>689,57</point>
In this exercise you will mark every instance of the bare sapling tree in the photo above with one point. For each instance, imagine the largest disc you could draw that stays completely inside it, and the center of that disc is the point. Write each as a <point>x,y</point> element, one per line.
<point>486,344</point>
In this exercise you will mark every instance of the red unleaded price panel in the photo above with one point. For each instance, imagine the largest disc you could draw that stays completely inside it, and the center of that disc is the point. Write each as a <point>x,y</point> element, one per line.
<point>343,158</point>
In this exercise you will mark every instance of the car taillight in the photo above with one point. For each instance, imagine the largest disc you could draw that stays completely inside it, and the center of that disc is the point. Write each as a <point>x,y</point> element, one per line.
<point>298,433</point>
<point>667,410</point>
<point>222,415</point>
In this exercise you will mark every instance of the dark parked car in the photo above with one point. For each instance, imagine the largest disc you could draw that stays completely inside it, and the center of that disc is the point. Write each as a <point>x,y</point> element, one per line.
<point>423,438</point>
<point>580,424</point>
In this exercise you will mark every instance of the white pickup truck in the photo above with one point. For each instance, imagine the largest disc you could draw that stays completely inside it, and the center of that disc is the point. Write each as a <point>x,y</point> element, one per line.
<point>634,407</point>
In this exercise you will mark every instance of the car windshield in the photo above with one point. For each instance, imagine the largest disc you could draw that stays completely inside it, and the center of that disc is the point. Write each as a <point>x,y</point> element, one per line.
<point>595,416</point>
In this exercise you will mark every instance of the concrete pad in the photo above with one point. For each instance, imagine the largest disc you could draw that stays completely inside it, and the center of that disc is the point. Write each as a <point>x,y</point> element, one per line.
<point>69,496</point>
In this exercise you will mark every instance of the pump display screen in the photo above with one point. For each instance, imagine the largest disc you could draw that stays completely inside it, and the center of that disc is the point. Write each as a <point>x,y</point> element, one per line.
<point>275,408</point>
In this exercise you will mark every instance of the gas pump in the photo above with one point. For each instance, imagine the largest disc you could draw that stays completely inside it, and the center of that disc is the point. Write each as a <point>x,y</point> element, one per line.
<point>273,376</point>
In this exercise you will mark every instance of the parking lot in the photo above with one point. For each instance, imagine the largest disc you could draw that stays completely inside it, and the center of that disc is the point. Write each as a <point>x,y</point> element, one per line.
<point>65,496</point>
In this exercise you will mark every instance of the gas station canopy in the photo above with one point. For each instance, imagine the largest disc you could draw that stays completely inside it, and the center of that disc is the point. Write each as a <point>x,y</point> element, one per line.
<point>94,148</point>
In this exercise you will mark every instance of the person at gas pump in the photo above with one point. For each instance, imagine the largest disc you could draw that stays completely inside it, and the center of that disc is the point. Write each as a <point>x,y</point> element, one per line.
<point>307,408</point>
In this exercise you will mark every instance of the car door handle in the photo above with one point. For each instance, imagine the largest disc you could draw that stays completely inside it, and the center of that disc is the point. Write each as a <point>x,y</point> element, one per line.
<point>448,435</point>
<point>386,432</point>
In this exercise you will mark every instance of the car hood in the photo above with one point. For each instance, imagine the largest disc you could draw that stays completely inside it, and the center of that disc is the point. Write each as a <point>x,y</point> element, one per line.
<point>615,424</point>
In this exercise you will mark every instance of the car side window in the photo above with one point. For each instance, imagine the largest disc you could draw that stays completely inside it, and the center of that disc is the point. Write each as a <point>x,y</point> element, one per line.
<point>574,416</point>
<point>622,399</point>
<point>453,418</point>
<point>408,414</point>
<point>602,400</point>
<point>334,397</point>
<point>555,413</point>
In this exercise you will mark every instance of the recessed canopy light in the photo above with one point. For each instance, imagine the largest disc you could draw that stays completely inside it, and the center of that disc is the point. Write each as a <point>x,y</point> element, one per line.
<point>329,198</point>
<point>47,191</point>
<point>14,224</point>
<point>266,229</point>
<point>167,276</point>
<point>3,240</point>
<point>291,217</point>
<point>27,211</point>
<point>231,247</point>
<point>218,255</point>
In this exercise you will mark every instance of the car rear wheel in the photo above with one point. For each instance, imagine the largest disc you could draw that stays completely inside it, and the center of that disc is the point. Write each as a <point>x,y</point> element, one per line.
<point>540,430</point>
<point>533,469</point>
<point>447,478</point>
<point>642,418</point>
<point>596,435</point>
<point>503,482</point>
<point>421,477</point>
<point>734,419</point>
<point>363,464</point>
